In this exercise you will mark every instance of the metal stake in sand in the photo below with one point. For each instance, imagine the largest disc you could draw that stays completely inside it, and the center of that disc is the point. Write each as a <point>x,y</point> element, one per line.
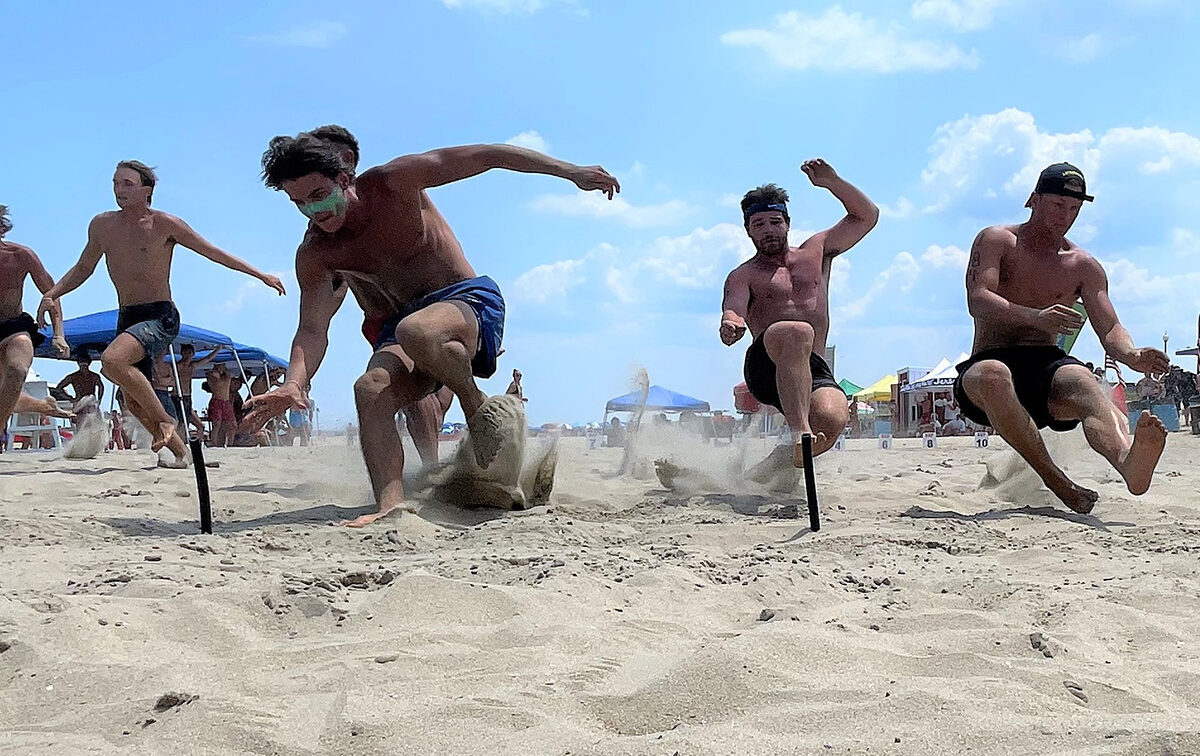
<point>810,482</point>
<point>197,446</point>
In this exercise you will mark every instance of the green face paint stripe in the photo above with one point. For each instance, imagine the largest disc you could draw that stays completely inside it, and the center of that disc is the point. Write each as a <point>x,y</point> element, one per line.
<point>334,203</point>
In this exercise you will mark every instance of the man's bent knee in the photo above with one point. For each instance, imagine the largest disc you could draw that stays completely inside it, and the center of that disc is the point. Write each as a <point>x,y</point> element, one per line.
<point>371,386</point>
<point>789,335</point>
<point>987,379</point>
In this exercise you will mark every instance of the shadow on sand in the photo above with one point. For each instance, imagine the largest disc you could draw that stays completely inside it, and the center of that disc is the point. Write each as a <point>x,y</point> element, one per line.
<point>1004,514</point>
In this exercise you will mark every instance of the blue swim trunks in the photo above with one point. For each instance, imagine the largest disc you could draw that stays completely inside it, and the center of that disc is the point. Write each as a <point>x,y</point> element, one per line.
<point>154,324</point>
<point>483,296</point>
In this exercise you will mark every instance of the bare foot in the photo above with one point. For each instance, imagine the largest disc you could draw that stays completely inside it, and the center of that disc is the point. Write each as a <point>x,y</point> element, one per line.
<point>180,463</point>
<point>165,431</point>
<point>817,440</point>
<point>384,511</point>
<point>1149,440</point>
<point>492,424</point>
<point>50,408</point>
<point>1077,498</point>
<point>666,472</point>
<point>764,471</point>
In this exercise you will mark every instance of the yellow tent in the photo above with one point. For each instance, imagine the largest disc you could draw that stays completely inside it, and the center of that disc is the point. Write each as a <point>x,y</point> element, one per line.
<point>879,391</point>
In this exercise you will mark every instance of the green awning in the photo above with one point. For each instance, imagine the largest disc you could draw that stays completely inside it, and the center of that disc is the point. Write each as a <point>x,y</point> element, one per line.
<point>850,388</point>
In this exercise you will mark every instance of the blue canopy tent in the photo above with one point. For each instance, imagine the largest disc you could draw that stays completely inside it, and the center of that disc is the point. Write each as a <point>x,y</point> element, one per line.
<point>251,358</point>
<point>89,335</point>
<point>657,398</point>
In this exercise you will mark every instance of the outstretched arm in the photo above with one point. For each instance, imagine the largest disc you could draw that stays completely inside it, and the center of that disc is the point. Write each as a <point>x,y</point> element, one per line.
<point>861,212</point>
<point>734,306</point>
<point>45,283</point>
<point>74,278</point>
<point>319,302</point>
<point>450,164</point>
<point>206,359</point>
<point>1113,336</point>
<point>183,234</point>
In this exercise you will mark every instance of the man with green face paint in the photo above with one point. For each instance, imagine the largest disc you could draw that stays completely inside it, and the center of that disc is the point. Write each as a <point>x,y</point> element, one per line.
<point>441,323</point>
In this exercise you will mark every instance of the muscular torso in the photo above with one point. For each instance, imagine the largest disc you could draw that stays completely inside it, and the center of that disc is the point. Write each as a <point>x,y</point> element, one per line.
<point>391,251</point>
<point>14,267</point>
<point>83,384</point>
<point>138,255</point>
<point>796,288</point>
<point>1037,280</point>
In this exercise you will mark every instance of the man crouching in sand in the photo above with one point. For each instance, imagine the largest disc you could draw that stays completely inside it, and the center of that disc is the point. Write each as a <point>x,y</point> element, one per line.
<point>441,323</point>
<point>782,295</point>
<point>1022,281</point>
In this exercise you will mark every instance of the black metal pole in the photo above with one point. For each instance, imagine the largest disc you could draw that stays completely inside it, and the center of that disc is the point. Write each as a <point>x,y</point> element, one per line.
<point>197,445</point>
<point>810,482</point>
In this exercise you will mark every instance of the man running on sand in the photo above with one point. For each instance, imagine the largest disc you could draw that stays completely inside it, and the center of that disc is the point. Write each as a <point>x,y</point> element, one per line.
<point>442,323</point>
<point>138,243</point>
<point>1021,283</point>
<point>424,417</point>
<point>19,334</point>
<point>782,295</point>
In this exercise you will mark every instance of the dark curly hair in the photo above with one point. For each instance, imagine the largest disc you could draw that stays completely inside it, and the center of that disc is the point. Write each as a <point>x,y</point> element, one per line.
<point>5,223</point>
<point>769,194</point>
<point>340,137</point>
<point>288,158</point>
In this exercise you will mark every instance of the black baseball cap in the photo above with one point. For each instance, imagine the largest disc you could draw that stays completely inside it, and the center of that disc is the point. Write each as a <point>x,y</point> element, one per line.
<point>1065,180</point>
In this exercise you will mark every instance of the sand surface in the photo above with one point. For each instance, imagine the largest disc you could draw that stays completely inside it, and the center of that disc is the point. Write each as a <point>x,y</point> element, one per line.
<point>927,617</point>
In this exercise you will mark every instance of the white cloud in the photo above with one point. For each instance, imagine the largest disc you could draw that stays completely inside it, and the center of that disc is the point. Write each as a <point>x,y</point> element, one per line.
<point>256,291</point>
<point>546,282</point>
<point>596,205</point>
<point>698,260</point>
<point>946,257</point>
<point>898,277</point>
<point>904,208</point>
<point>1000,154</point>
<point>530,140</point>
<point>503,6</point>
<point>1185,242</point>
<point>837,40</point>
<point>1082,49</point>
<point>960,15</point>
<point>316,34</point>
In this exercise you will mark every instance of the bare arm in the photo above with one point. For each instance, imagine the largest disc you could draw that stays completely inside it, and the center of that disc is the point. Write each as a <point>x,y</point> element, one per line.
<point>450,164</point>
<point>44,283</point>
<point>206,359</point>
<point>1113,336</point>
<point>861,212</point>
<point>983,279</point>
<point>183,234</point>
<point>734,306</point>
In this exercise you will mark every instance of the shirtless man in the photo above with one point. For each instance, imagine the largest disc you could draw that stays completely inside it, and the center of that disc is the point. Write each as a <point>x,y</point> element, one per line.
<point>19,334</point>
<point>138,243</point>
<point>84,382</point>
<point>782,295</point>
<point>220,407</point>
<point>1021,283</point>
<point>186,366</point>
<point>424,417</point>
<point>442,324</point>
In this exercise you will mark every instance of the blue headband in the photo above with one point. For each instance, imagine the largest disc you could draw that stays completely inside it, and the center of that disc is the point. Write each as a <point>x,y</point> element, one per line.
<point>764,207</point>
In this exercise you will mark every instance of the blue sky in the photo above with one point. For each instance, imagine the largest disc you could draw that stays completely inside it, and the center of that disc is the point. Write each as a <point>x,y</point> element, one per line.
<point>942,111</point>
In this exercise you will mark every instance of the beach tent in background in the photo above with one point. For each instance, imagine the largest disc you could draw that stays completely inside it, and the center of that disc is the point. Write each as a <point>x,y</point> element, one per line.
<point>879,391</point>
<point>253,359</point>
<point>849,387</point>
<point>942,376</point>
<point>89,335</point>
<point>658,399</point>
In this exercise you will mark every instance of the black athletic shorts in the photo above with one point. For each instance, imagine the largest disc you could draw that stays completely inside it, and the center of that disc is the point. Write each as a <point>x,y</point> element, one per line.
<point>1032,369</point>
<point>759,372</point>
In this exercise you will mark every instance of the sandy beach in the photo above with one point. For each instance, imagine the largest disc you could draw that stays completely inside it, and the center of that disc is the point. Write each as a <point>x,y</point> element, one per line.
<point>927,616</point>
